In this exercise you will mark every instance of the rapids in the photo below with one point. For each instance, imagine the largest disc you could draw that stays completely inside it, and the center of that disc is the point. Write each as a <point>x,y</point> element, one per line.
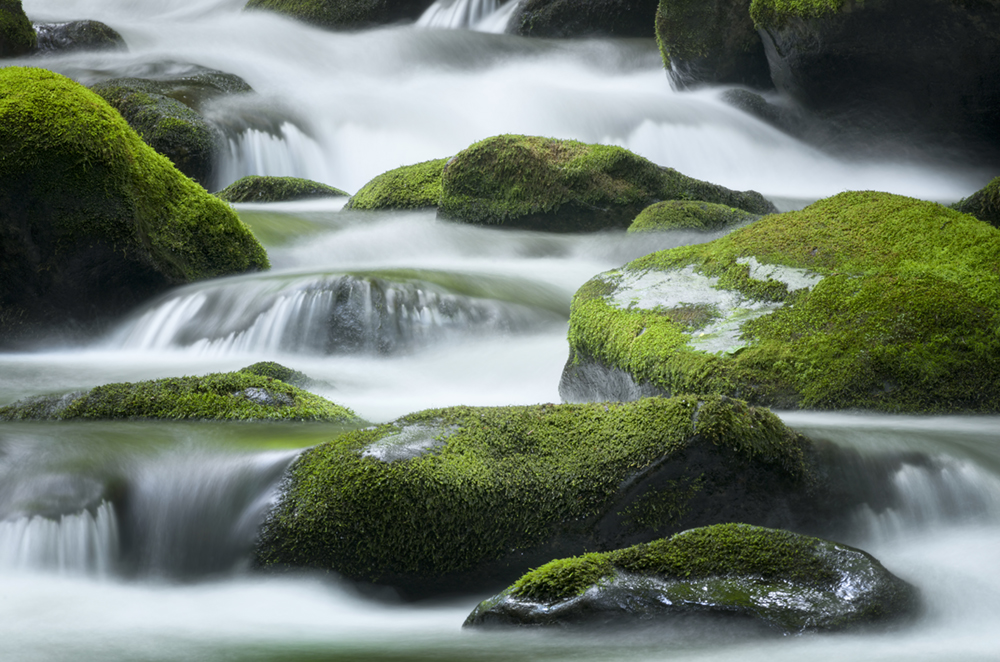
<point>395,312</point>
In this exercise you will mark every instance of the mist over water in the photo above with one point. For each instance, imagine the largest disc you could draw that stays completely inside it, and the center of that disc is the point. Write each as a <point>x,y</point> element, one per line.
<point>124,541</point>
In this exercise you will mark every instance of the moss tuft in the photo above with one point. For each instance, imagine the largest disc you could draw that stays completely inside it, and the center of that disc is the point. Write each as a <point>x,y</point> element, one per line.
<point>254,188</point>
<point>415,186</point>
<point>776,13</point>
<point>689,215</point>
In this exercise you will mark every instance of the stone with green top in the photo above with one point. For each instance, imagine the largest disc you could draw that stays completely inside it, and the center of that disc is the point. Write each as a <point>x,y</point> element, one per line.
<point>689,215</point>
<point>344,14</point>
<point>864,300</point>
<point>256,188</point>
<point>17,35</point>
<point>787,583</point>
<point>416,186</point>
<point>984,204</point>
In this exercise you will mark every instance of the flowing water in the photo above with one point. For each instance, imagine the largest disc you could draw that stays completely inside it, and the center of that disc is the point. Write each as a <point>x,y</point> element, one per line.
<point>395,312</point>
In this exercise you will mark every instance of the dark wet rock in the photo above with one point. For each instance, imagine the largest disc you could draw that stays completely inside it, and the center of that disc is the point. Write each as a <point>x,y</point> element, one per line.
<point>345,14</point>
<point>17,36</point>
<point>567,186</point>
<point>568,18</point>
<point>711,42</point>
<point>93,221</point>
<point>689,215</point>
<point>864,300</point>
<point>254,188</point>
<point>984,204</point>
<point>786,582</point>
<point>242,395</point>
<point>782,117</point>
<point>77,36</point>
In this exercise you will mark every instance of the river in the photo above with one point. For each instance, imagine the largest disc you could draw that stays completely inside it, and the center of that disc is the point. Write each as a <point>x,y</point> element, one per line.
<point>478,317</point>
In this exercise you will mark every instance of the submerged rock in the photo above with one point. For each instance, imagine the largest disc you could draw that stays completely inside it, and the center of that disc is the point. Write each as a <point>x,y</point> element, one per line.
<point>250,394</point>
<point>784,581</point>
<point>568,18</point>
<point>911,65</point>
<point>254,188</point>
<point>467,498</point>
<point>984,204</point>
<point>567,186</point>
<point>415,186</point>
<point>864,300</point>
<point>92,220</point>
<point>344,14</point>
<point>77,36</point>
<point>17,36</point>
<point>711,42</point>
<point>689,215</point>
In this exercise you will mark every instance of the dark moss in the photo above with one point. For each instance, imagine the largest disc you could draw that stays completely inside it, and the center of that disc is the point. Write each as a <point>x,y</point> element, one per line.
<point>78,36</point>
<point>565,185</point>
<point>233,396</point>
<point>254,188</point>
<point>689,215</point>
<point>279,372</point>
<point>984,204</point>
<point>17,36</point>
<point>905,316</point>
<point>344,14</point>
<point>93,219</point>
<point>403,503</point>
<point>415,186</point>
<point>790,582</point>
<point>776,13</point>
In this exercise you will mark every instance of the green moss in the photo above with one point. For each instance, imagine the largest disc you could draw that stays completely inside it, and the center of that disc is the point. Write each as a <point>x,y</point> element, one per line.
<point>244,395</point>
<point>905,318</point>
<point>87,176</point>
<point>17,35</point>
<point>565,185</point>
<point>254,188</point>
<point>984,204</point>
<point>279,372</point>
<point>689,215</point>
<point>775,13</point>
<point>415,186</point>
<point>328,13</point>
<point>540,472</point>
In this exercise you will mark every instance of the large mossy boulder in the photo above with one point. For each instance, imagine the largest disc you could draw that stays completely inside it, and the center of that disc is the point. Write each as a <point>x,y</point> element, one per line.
<point>711,42</point>
<point>250,394</point>
<point>567,186</point>
<point>911,65</point>
<point>689,215</point>
<point>415,186</point>
<point>345,14</point>
<point>984,204</point>
<point>254,188</point>
<point>77,36</point>
<point>17,35</point>
<point>469,498</point>
<point>785,582</point>
<point>570,18</point>
<point>864,300</point>
<point>92,220</point>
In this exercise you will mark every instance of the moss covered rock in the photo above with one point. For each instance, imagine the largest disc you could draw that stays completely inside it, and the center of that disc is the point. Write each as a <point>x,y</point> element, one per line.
<point>17,36</point>
<point>78,36</point>
<point>254,188</point>
<point>250,394</point>
<point>984,204</point>
<point>567,186</point>
<point>864,300</point>
<point>711,42</point>
<point>787,582</point>
<point>907,66</point>
<point>464,498</point>
<point>569,18</point>
<point>345,14</point>
<point>689,215</point>
<point>415,186</point>
<point>92,220</point>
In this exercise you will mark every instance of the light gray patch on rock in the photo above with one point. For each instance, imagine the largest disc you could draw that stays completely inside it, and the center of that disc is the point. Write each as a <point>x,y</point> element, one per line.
<point>411,442</point>
<point>264,397</point>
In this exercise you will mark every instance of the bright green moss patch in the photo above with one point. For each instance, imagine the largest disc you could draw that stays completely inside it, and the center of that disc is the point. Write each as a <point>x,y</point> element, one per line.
<point>984,204</point>
<point>254,188</point>
<point>17,35</point>
<point>775,13</point>
<point>245,395</point>
<point>565,185</point>
<point>415,186</point>
<point>689,215</point>
<point>865,300</point>
<point>404,503</point>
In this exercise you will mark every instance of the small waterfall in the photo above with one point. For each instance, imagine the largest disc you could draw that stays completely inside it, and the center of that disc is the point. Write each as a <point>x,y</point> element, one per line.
<point>81,543</point>
<point>335,314</point>
<point>481,15</point>
<point>286,152</point>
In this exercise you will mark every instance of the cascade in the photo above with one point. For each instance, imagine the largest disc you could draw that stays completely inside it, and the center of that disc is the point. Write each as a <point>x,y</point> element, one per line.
<point>80,543</point>
<point>455,14</point>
